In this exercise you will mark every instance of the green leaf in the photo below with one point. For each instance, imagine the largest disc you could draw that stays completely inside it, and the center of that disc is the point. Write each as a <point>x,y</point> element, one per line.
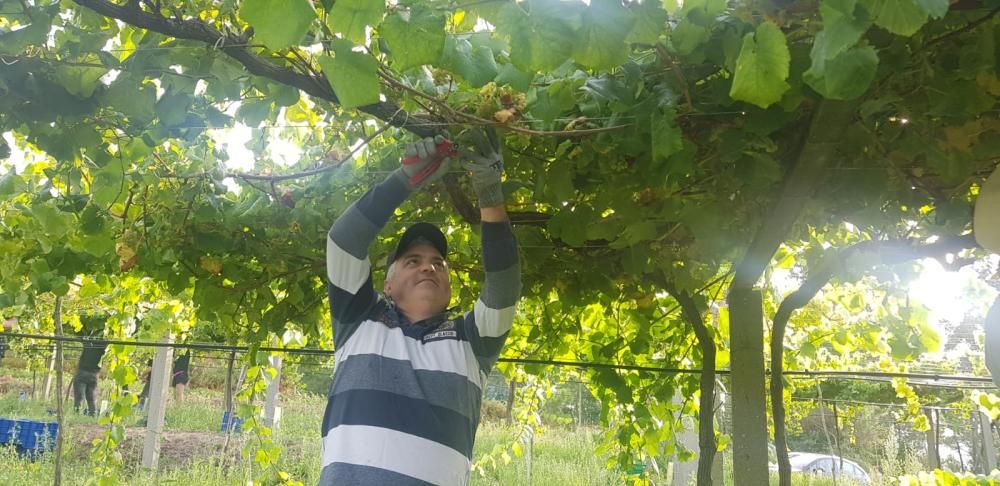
<point>762,68</point>
<point>634,233</point>
<point>80,81</point>
<point>601,42</point>
<point>664,134</point>
<point>350,17</point>
<point>844,77</point>
<point>253,112</point>
<point>554,100</point>
<point>415,38</point>
<point>650,23</point>
<point>703,11</point>
<point>541,38</point>
<point>131,98</point>
<point>107,185</point>
<point>53,221</point>
<point>473,64</point>
<point>841,28</point>
<point>935,8</point>
<point>278,23</point>
<point>173,108</point>
<point>688,36</point>
<point>901,17</point>
<point>514,77</point>
<point>11,184</point>
<point>353,75</point>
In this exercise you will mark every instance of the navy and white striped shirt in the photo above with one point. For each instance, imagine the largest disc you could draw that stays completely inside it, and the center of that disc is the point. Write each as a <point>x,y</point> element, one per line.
<point>404,405</point>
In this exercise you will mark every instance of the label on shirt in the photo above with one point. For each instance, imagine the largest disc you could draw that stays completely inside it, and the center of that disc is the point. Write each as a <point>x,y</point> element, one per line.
<point>439,335</point>
<point>446,330</point>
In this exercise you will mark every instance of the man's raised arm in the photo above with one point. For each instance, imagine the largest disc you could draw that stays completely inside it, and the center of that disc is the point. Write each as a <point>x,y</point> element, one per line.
<point>494,311</point>
<point>348,268</point>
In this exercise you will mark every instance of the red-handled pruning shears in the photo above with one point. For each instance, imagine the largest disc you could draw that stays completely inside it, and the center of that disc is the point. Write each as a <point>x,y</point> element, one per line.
<point>444,150</point>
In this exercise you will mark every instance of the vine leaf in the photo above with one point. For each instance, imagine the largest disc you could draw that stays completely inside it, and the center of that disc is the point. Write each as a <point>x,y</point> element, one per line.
<point>650,21</point>
<point>541,38</point>
<point>278,23</point>
<point>844,77</point>
<point>901,17</point>
<point>353,75</point>
<point>935,8</point>
<point>762,67</point>
<point>80,81</point>
<point>606,24</point>
<point>843,26</point>
<point>351,17</point>
<point>475,64</point>
<point>415,38</point>
<point>666,136</point>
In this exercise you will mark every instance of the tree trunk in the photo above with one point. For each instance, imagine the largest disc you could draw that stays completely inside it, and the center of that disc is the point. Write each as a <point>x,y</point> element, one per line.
<point>706,403</point>
<point>745,316</point>
<point>933,459</point>
<point>826,432</point>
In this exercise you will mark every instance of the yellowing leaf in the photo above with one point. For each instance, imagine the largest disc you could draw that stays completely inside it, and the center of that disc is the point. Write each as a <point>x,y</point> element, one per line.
<point>762,67</point>
<point>962,137</point>
<point>211,265</point>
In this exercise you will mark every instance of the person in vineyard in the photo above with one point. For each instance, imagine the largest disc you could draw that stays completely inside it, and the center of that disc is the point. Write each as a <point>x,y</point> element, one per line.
<point>404,405</point>
<point>180,377</point>
<point>89,365</point>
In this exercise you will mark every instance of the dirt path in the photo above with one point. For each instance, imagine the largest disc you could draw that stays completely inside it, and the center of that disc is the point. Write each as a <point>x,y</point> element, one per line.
<point>177,449</point>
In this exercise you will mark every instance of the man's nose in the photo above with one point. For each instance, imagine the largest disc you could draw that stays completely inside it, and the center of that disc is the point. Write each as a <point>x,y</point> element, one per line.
<point>429,267</point>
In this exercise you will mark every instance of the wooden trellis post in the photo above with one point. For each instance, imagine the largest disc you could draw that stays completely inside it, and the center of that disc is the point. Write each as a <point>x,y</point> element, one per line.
<point>272,413</point>
<point>158,383</point>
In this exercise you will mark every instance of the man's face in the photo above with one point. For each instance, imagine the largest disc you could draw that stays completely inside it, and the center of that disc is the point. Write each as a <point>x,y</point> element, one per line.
<point>419,277</point>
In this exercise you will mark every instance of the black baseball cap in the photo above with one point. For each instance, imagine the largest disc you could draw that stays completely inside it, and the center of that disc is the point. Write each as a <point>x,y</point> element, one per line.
<point>419,231</point>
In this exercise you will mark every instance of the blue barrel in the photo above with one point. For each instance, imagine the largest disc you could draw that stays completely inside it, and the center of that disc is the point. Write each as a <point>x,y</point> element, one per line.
<point>230,421</point>
<point>5,426</point>
<point>29,435</point>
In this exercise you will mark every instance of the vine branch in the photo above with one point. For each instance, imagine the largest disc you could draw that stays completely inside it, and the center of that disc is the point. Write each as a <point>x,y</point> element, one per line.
<point>235,46</point>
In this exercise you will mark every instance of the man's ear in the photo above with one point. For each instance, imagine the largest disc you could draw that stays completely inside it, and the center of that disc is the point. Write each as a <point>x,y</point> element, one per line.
<point>386,288</point>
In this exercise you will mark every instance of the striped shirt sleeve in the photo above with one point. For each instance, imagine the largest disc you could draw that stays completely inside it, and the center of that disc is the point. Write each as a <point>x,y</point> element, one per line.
<point>348,269</point>
<point>491,319</point>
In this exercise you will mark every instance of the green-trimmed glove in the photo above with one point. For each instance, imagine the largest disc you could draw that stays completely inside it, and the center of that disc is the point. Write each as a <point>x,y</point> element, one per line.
<point>486,167</point>
<point>425,162</point>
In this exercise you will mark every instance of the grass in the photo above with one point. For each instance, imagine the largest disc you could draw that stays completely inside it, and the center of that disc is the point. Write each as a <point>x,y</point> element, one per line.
<point>559,456</point>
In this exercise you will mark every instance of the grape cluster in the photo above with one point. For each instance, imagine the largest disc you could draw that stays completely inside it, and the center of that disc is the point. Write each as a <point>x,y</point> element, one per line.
<point>503,104</point>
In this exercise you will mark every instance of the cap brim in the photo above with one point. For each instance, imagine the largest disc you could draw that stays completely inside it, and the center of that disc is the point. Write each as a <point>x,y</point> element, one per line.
<point>425,231</point>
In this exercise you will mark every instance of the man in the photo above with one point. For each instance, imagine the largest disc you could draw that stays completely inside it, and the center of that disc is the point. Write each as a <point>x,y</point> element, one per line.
<point>85,380</point>
<point>404,405</point>
<point>180,377</point>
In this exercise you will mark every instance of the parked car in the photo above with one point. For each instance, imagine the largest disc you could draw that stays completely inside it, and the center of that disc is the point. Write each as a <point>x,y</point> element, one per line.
<point>825,465</point>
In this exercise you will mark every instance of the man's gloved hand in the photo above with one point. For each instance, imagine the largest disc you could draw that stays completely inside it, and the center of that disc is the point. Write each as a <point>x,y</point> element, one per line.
<point>486,166</point>
<point>426,161</point>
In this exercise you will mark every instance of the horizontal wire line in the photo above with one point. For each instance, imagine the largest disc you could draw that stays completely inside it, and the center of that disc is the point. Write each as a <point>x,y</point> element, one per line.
<point>580,364</point>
